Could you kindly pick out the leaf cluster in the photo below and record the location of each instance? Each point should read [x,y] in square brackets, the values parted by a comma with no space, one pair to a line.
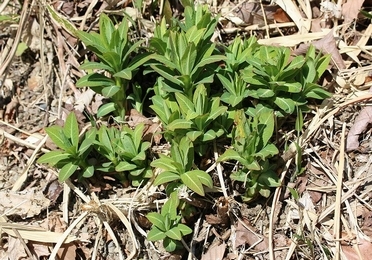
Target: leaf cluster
[178,169]
[167,226]
[252,149]
[122,151]
[118,62]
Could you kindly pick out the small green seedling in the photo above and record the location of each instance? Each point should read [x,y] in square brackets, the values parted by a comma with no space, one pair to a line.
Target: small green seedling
[118,62]
[167,226]
[73,154]
[252,149]
[126,153]
[178,168]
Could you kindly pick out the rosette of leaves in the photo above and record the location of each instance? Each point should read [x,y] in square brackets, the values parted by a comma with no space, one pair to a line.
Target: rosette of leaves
[281,83]
[194,118]
[252,149]
[178,169]
[73,154]
[235,89]
[167,225]
[118,62]
[186,58]
[126,153]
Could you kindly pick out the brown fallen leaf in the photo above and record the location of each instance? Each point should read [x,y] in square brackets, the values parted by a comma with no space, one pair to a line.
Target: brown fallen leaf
[360,125]
[26,204]
[11,109]
[350,10]
[215,252]
[327,45]
[359,249]
[281,17]
[246,234]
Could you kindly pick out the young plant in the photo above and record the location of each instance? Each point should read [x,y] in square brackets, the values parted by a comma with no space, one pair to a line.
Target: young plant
[118,62]
[167,226]
[73,154]
[186,59]
[178,168]
[193,118]
[126,153]
[252,149]
[281,84]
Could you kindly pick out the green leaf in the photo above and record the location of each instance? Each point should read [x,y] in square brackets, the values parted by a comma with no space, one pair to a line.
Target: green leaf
[53,157]
[156,219]
[94,80]
[188,59]
[186,105]
[229,154]
[216,113]
[254,166]
[171,205]
[125,74]
[193,135]
[21,48]
[91,134]
[88,172]
[185,230]
[58,137]
[167,74]
[209,135]
[90,65]
[322,65]
[106,109]
[71,129]
[174,233]
[164,162]
[110,91]
[299,121]
[266,126]
[204,178]
[191,180]
[85,145]
[113,59]
[269,179]
[125,166]
[166,177]
[286,104]
[106,27]
[66,171]
[179,124]
[269,151]
[208,60]
[93,41]
[169,244]
[104,138]
[265,93]
[155,234]
[295,64]
[137,135]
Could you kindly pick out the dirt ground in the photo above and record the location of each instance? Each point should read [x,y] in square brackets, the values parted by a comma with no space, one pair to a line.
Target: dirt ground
[324,213]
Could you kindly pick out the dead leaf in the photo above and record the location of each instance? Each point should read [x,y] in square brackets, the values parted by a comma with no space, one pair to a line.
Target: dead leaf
[246,234]
[11,109]
[25,204]
[281,17]
[67,251]
[136,118]
[215,252]
[39,249]
[15,249]
[327,45]
[351,249]
[350,10]
[360,125]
